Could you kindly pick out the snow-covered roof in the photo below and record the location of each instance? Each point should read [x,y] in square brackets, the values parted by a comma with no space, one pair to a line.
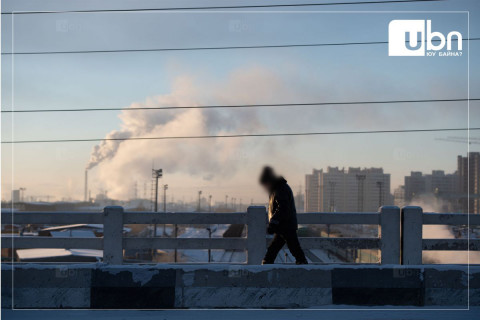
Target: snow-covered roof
[28,254]
[75,226]
[94,226]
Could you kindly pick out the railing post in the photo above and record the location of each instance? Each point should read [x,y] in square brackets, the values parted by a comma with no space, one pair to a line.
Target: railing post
[390,234]
[256,234]
[412,224]
[113,235]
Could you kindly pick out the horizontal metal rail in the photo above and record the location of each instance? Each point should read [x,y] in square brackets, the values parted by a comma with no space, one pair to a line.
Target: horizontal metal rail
[339,218]
[42,217]
[134,217]
[451,218]
[184,218]
[50,242]
[343,243]
[185,243]
[179,243]
[451,244]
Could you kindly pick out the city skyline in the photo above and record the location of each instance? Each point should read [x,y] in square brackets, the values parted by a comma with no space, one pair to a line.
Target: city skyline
[439,183]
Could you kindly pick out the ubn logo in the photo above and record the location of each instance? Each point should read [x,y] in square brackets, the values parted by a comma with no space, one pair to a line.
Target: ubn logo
[408,38]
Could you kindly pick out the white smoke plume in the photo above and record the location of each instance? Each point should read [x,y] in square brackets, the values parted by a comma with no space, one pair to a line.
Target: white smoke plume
[120,163]
[430,203]
[107,149]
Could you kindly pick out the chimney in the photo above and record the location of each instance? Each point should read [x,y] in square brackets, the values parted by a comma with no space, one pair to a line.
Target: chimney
[86,186]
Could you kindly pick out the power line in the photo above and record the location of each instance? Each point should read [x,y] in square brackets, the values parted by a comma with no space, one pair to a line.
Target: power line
[221,7]
[198,48]
[241,135]
[332,44]
[240,106]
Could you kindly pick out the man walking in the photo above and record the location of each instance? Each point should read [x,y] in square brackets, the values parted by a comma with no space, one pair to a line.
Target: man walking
[282,217]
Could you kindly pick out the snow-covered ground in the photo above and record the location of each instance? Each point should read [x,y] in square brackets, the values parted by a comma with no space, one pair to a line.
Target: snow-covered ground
[239,256]
[224,256]
[342,313]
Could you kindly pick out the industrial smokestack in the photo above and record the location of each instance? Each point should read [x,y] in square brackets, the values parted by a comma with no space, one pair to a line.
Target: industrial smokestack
[86,186]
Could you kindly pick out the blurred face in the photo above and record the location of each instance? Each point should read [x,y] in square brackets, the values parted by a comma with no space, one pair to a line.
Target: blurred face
[267,186]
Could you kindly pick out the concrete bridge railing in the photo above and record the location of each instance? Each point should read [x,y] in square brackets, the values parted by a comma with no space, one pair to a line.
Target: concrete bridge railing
[413,220]
[400,232]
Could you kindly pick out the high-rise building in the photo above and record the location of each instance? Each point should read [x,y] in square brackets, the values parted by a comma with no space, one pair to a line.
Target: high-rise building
[468,169]
[438,183]
[441,184]
[352,190]
[312,191]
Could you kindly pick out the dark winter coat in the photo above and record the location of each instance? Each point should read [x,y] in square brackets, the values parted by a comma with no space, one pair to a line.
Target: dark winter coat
[282,213]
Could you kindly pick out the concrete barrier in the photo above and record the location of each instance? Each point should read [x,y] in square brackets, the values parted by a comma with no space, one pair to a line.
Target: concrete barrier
[100,286]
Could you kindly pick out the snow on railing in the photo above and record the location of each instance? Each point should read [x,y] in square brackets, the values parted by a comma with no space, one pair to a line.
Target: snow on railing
[400,237]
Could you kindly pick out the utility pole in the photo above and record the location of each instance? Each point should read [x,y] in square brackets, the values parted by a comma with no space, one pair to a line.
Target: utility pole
[210,203]
[199,200]
[86,186]
[361,187]
[226,201]
[210,230]
[165,187]
[156,174]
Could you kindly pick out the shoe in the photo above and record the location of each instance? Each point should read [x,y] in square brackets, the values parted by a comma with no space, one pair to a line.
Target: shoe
[301,262]
[266,262]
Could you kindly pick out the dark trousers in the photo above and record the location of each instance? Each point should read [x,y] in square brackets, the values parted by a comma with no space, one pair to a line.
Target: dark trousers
[285,236]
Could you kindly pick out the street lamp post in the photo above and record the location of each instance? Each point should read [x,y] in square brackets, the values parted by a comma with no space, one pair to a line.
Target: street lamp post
[156,173]
[210,230]
[165,187]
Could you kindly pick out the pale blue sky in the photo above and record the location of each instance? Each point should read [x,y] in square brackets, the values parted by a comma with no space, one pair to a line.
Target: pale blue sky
[309,74]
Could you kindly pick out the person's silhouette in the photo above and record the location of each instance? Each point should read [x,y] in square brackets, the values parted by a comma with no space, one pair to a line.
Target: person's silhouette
[282,217]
